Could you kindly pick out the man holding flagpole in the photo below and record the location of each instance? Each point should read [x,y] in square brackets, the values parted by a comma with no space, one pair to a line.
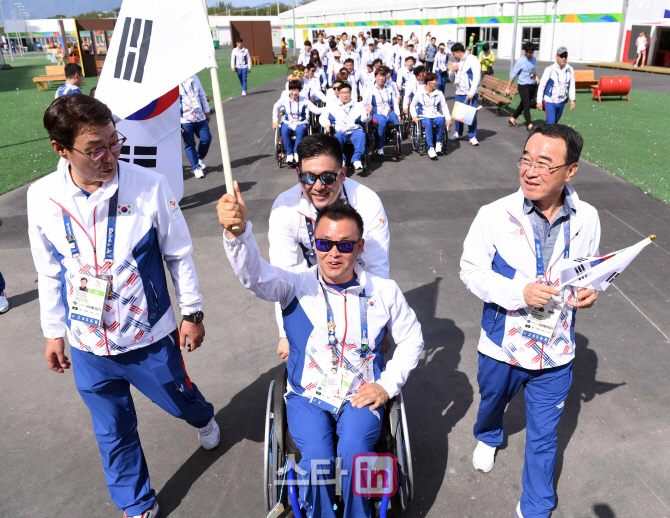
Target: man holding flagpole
[510,261]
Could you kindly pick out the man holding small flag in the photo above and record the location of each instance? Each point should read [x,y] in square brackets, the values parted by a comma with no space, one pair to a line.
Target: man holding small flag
[511,260]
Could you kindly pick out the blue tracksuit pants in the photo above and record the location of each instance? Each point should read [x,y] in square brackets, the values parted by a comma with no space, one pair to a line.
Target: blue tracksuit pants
[442,80]
[545,392]
[242,76]
[286,133]
[104,384]
[357,138]
[472,129]
[2,283]
[312,429]
[554,112]
[428,126]
[382,121]
[189,131]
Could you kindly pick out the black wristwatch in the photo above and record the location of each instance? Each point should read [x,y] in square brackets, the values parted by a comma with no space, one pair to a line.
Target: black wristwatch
[196,317]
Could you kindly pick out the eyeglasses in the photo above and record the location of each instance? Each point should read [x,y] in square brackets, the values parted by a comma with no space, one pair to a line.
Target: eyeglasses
[326,178]
[344,246]
[540,168]
[98,153]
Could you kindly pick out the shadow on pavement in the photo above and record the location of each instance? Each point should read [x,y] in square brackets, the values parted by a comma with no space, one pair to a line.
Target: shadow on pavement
[603,511]
[242,418]
[584,389]
[23,298]
[437,396]
[209,196]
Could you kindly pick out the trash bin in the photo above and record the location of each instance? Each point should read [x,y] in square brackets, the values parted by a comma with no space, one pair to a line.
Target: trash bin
[30,47]
[290,43]
[479,46]
[216,44]
[74,60]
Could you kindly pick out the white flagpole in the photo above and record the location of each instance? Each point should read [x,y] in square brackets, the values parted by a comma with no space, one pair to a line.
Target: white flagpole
[220,123]
[593,272]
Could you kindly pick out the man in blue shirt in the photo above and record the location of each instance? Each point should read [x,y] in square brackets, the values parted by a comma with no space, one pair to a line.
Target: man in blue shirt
[74,78]
[429,54]
[524,70]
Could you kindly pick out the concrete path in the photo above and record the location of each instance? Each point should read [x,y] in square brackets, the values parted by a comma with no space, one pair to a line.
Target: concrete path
[613,458]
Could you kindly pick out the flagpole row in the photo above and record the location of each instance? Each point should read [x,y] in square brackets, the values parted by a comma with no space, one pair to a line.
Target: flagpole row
[221,124]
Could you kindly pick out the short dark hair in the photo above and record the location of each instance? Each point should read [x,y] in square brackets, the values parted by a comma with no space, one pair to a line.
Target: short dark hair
[431,77]
[380,71]
[529,46]
[345,86]
[457,47]
[332,43]
[320,144]
[83,279]
[486,47]
[377,60]
[310,65]
[410,57]
[239,40]
[308,43]
[66,117]
[348,60]
[339,211]
[419,70]
[573,140]
[433,38]
[337,83]
[295,85]
[71,69]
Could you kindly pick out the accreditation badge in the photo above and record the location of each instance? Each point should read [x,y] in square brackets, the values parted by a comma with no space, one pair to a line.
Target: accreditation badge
[88,303]
[383,109]
[541,322]
[561,91]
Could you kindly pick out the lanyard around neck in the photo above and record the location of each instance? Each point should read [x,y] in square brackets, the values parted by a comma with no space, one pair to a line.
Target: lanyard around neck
[539,261]
[332,339]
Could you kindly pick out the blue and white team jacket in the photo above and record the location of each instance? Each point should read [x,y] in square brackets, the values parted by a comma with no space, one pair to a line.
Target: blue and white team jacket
[150,229]
[301,295]
[430,105]
[384,100]
[67,88]
[345,118]
[498,262]
[557,84]
[468,75]
[295,112]
[240,59]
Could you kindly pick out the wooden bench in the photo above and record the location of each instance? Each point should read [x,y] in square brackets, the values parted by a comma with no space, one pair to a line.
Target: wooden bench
[255,60]
[492,91]
[52,73]
[612,86]
[585,79]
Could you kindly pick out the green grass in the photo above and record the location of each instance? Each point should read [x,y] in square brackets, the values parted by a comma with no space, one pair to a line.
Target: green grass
[625,138]
[25,151]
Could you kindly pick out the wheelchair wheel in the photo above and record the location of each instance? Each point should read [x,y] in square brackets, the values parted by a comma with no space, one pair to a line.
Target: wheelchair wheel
[270,452]
[416,135]
[397,143]
[404,455]
[279,147]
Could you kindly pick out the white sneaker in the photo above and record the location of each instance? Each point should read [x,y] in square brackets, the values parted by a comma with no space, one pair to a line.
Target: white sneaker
[455,136]
[432,153]
[358,166]
[201,163]
[210,435]
[198,172]
[380,151]
[517,511]
[474,141]
[295,158]
[289,159]
[154,512]
[438,147]
[4,304]
[244,94]
[483,457]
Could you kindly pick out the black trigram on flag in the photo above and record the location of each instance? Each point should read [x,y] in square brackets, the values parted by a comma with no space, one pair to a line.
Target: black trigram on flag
[611,278]
[130,44]
[579,270]
[139,151]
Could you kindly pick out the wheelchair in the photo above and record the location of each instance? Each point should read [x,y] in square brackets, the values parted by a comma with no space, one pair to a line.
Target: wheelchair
[393,139]
[280,149]
[349,147]
[419,143]
[280,454]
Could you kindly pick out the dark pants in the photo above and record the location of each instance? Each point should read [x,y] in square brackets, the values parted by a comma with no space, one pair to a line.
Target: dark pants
[188,133]
[526,92]
[429,65]
[545,392]
[103,382]
[2,283]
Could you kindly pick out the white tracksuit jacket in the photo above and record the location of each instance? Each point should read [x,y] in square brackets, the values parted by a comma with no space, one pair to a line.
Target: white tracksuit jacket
[344,117]
[290,246]
[150,229]
[499,261]
[304,311]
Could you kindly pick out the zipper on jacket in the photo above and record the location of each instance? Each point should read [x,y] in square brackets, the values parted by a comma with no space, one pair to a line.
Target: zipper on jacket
[495,319]
[151,284]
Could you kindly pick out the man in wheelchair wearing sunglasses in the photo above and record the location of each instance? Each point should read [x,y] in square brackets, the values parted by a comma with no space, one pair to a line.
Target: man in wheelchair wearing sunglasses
[337,382]
[322,181]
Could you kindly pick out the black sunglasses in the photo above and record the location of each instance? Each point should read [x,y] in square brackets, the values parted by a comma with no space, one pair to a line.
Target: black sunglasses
[326,178]
[344,247]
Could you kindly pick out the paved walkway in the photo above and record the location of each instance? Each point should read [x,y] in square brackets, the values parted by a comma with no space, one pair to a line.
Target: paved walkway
[613,458]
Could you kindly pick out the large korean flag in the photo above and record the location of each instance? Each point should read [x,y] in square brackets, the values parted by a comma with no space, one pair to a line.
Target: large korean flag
[157,44]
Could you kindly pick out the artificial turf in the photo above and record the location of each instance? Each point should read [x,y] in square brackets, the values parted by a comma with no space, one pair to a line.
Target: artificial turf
[25,150]
[625,138]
